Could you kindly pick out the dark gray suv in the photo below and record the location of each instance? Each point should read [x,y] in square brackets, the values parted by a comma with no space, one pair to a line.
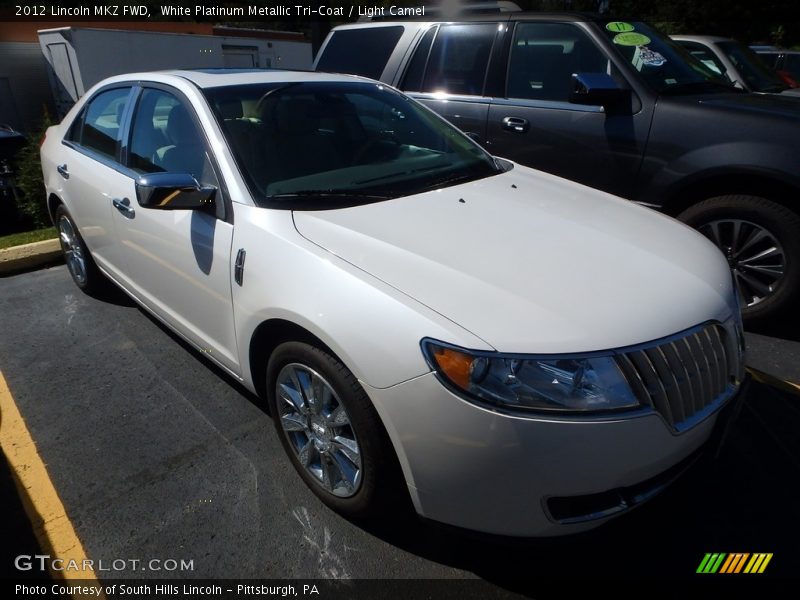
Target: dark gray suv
[617,106]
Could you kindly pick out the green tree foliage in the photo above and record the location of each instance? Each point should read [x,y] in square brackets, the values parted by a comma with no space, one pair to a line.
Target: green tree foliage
[31,203]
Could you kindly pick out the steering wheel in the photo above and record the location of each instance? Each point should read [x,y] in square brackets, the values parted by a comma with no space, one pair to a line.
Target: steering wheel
[387,145]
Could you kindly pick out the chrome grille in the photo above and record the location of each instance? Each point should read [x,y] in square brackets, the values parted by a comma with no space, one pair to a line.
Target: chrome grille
[687,377]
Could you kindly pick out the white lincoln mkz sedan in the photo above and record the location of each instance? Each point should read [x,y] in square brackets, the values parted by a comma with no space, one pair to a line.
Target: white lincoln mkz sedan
[519,354]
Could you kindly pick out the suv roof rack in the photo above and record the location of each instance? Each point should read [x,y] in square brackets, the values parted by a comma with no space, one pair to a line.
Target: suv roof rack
[453,9]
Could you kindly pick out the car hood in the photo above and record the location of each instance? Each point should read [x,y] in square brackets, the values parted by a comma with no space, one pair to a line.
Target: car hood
[530,262]
[774,105]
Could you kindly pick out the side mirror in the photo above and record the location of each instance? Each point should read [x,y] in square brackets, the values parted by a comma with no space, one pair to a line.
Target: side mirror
[598,89]
[173,191]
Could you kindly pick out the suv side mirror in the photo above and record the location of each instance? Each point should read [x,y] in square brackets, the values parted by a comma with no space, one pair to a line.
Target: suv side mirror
[598,89]
[173,191]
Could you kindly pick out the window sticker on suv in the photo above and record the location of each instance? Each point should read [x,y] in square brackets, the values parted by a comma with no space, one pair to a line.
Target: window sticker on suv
[631,39]
[645,57]
[619,26]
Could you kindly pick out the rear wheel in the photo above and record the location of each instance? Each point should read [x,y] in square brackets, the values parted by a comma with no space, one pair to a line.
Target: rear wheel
[761,240]
[79,261]
[330,430]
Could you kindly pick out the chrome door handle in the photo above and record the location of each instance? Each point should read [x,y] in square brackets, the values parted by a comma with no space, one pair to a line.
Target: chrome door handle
[516,124]
[62,169]
[124,206]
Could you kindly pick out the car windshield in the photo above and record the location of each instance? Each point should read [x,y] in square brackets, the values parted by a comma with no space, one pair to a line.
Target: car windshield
[325,144]
[755,73]
[662,63]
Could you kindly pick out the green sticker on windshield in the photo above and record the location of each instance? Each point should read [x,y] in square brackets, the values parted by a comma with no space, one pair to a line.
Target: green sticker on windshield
[619,26]
[631,39]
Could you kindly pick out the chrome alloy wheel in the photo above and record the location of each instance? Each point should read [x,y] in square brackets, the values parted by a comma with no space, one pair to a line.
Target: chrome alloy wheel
[73,249]
[318,429]
[755,256]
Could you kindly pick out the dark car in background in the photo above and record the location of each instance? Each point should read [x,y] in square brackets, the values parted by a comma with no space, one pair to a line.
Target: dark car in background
[11,141]
[617,106]
[786,62]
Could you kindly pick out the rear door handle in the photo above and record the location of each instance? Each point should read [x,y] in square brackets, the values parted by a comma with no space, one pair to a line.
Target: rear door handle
[62,169]
[516,124]
[124,206]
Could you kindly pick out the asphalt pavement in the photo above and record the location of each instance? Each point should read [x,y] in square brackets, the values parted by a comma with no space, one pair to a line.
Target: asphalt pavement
[155,453]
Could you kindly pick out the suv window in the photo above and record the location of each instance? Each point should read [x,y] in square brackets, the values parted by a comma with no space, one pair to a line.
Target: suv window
[360,51]
[458,59]
[663,64]
[99,129]
[164,137]
[416,68]
[544,56]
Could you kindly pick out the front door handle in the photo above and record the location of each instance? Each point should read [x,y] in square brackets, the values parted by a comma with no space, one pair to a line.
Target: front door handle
[124,206]
[516,124]
[62,169]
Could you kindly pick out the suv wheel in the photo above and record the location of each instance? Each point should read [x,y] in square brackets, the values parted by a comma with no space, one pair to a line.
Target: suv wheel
[761,240]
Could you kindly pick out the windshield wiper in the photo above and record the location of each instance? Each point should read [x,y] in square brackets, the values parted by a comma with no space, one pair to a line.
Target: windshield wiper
[692,87]
[399,173]
[327,194]
[464,177]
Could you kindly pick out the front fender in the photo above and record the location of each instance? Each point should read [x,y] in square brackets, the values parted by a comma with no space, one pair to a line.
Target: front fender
[373,328]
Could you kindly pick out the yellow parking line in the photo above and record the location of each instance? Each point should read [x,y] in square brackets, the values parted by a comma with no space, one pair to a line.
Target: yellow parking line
[761,377]
[50,522]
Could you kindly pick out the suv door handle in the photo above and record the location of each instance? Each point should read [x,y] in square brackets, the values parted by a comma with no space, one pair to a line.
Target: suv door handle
[124,206]
[516,124]
[62,169]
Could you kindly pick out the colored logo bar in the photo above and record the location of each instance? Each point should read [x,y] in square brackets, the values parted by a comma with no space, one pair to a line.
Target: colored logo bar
[735,562]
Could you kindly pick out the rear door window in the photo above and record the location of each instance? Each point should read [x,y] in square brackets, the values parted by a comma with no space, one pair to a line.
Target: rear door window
[458,59]
[360,51]
[100,125]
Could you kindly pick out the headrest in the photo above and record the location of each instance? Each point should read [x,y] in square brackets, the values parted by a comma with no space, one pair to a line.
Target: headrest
[231,109]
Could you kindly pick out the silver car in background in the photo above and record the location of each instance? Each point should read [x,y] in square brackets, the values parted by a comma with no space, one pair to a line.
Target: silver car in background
[737,62]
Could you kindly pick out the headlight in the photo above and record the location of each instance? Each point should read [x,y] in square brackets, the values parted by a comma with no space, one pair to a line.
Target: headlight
[529,382]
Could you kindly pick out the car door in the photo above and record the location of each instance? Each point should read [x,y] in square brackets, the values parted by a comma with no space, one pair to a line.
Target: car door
[92,175]
[535,124]
[448,73]
[178,261]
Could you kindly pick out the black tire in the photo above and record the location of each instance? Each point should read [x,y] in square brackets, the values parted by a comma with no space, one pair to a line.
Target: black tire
[379,480]
[775,219]
[88,278]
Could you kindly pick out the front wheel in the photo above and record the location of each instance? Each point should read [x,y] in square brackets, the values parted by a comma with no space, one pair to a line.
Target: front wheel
[330,430]
[761,240]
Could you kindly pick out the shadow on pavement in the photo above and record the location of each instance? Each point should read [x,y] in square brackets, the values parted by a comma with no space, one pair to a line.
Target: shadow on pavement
[787,328]
[16,533]
[743,500]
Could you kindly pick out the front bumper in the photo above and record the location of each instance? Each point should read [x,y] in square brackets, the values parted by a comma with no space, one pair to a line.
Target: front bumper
[473,468]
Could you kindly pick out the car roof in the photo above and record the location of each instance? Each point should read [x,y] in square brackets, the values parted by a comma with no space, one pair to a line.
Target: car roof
[702,38]
[210,78]
[489,17]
